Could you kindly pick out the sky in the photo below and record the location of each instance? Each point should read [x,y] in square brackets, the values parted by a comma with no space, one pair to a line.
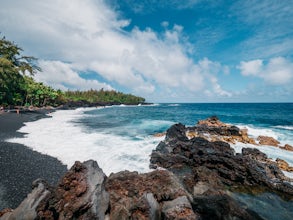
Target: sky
[164,50]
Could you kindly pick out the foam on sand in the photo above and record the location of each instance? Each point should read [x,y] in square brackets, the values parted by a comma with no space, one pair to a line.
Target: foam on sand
[62,137]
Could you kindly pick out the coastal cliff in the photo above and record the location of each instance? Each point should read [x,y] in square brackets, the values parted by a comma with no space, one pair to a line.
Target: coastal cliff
[197,176]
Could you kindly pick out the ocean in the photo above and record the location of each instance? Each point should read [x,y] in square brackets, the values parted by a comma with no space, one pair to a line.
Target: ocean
[122,137]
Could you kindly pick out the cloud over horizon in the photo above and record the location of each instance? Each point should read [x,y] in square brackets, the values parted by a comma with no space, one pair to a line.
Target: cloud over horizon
[278,71]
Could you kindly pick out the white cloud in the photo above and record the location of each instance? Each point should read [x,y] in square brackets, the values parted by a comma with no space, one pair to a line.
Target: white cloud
[253,67]
[210,70]
[61,76]
[90,36]
[278,70]
[165,24]
[217,88]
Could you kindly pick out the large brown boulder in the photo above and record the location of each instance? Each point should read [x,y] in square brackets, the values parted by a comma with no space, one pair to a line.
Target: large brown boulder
[213,129]
[283,165]
[79,195]
[265,140]
[287,147]
[212,122]
[147,196]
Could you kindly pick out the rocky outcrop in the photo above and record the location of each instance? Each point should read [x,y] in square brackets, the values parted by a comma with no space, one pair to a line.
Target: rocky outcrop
[265,140]
[206,169]
[287,147]
[216,160]
[148,196]
[213,129]
[283,165]
[85,193]
[79,195]
[212,122]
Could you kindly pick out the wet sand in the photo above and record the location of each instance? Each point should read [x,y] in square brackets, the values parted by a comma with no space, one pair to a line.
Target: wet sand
[19,165]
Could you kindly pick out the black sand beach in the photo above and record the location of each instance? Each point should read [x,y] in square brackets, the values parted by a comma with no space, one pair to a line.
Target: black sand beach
[20,165]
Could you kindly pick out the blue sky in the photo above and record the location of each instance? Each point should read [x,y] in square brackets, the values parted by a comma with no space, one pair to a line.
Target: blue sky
[165,51]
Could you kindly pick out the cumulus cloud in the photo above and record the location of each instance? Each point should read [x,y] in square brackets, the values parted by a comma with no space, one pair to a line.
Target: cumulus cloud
[61,76]
[210,69]
[253,67]
[278,70]
[87,35]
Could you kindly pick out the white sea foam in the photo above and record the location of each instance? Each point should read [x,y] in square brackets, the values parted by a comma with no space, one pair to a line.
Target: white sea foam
[283,136]
[255,132]
[60,137]
[288,174]
[284,127]
[147,124]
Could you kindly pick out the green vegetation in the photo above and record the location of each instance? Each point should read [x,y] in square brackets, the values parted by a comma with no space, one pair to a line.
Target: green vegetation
[38,94]
[101,96]
[13,68]
[18,88]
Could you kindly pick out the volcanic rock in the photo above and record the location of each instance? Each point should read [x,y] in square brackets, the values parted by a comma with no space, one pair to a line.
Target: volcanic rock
[206,169]
[179,208]
[79,195]
[27,209]
[264,140]
[160,134]
[212,122]
[213,129]
[254,154]
[283,165]
[140,196]
[287,147]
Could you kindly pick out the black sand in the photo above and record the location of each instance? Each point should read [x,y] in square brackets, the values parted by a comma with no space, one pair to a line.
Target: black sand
[19,165]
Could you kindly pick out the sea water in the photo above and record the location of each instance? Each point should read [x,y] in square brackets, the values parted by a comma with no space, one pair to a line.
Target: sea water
[122,137]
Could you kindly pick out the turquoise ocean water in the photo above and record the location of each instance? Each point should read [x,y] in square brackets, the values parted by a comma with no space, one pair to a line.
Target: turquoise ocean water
[122,137]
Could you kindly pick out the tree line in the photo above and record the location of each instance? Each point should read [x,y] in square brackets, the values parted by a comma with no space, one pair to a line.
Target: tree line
[18,88]
[103,96]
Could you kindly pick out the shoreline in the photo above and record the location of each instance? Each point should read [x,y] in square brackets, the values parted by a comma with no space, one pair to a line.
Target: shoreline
[17,121]
[19,164]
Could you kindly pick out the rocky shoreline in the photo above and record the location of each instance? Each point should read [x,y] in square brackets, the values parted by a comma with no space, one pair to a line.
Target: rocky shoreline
[197,176]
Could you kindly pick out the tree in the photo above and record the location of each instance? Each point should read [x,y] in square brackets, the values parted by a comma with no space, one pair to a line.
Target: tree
[13,67]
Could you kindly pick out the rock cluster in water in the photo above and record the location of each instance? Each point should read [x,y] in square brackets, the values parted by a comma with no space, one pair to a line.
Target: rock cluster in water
[197,174]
